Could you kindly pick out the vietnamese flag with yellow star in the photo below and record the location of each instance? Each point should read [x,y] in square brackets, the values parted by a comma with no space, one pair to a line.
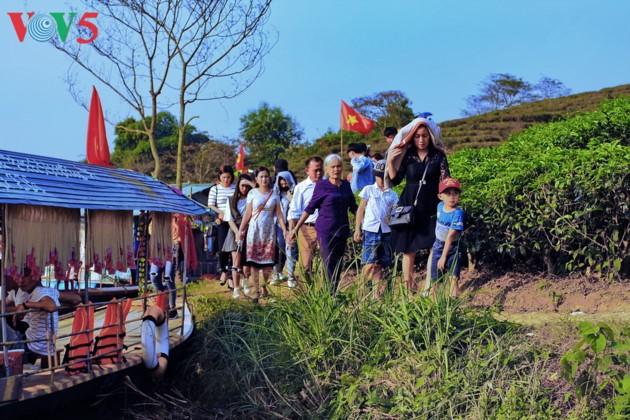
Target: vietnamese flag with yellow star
[351,120]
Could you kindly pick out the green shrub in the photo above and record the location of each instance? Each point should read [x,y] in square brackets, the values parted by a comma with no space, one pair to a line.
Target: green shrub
[600,364]
[557,194]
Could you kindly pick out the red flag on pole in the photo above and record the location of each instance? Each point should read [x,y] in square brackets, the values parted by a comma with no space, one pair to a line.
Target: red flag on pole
[240,159]
[97,147]
[351,120]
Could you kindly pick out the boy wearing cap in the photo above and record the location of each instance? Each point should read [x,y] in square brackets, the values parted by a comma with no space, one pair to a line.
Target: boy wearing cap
[376,205]
[446,259]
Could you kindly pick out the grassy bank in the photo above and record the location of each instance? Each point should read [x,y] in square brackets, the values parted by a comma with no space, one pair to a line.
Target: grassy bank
[313,355]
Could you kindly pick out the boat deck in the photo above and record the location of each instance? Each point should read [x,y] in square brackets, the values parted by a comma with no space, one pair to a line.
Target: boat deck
[36,382]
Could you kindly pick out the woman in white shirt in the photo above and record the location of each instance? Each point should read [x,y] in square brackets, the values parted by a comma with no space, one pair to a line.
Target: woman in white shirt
[217,197]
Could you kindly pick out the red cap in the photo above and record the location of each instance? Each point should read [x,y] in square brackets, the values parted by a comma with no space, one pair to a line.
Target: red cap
[447,183]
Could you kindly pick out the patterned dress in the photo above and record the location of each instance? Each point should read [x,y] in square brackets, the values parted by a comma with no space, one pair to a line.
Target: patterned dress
[261,234]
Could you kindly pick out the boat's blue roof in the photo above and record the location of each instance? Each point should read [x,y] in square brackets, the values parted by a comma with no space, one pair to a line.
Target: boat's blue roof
[192,189]
[43,181]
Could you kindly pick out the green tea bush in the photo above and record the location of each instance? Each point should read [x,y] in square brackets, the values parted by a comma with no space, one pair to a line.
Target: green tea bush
[556,194]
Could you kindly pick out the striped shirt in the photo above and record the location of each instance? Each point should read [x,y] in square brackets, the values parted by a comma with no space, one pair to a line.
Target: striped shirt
[219,195]
[37,321]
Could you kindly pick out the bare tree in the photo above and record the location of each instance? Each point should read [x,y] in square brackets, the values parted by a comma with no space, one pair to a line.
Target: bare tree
[206,159]
[500,91]
[548,88]
[158,54]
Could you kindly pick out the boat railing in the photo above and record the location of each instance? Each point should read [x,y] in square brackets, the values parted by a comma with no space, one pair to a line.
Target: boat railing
[95,280]
[51,338]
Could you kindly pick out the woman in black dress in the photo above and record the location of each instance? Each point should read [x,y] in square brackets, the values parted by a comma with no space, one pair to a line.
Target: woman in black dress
[407,159]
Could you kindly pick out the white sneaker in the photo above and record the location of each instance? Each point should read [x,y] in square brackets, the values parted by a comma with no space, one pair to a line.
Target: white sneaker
[274,280]
[246,290]
[236,294]
[292,283]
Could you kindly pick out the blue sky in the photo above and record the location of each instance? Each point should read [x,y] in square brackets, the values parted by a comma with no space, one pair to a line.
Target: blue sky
[435,52]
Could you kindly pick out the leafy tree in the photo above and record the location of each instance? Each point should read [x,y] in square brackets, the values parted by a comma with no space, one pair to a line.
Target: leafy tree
[388,108]
[548,88]
[128,137]
[155,54]
[132,148]
[268,133]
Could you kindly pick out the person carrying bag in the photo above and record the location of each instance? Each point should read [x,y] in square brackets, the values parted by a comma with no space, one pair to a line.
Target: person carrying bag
[403,216]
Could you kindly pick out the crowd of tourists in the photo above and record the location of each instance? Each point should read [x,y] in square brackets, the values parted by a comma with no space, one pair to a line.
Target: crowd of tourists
[270,227]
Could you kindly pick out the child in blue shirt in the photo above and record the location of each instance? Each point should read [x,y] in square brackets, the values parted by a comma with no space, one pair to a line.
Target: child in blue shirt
[362,167]
[446,260]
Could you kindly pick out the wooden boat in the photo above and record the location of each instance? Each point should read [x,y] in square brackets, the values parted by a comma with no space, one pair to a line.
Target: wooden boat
[37,390]
[33,192]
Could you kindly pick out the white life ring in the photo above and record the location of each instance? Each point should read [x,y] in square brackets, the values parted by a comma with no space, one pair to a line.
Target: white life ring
[155,341]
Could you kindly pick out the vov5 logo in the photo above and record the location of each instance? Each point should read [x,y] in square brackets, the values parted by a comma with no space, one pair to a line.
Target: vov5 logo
[43,26]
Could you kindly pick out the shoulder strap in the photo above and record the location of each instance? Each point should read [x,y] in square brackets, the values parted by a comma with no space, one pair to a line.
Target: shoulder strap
[415,201]
[262,207]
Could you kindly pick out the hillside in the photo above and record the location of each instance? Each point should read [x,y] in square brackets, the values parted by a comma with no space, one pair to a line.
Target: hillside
[492,128]
[474,132]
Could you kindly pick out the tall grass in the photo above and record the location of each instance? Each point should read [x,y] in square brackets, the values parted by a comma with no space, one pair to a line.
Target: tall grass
[345,355]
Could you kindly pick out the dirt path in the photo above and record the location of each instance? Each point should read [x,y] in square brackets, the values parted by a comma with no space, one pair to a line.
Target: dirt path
[523,298]
[535,299]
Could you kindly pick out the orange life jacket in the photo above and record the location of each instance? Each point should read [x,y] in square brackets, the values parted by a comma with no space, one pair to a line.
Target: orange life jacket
[77,351]
[108,346]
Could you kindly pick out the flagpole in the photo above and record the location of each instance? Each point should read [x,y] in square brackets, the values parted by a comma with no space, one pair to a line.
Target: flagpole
[341,150]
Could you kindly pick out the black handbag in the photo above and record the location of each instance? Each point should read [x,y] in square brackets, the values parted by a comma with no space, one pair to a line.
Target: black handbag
[402,216]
